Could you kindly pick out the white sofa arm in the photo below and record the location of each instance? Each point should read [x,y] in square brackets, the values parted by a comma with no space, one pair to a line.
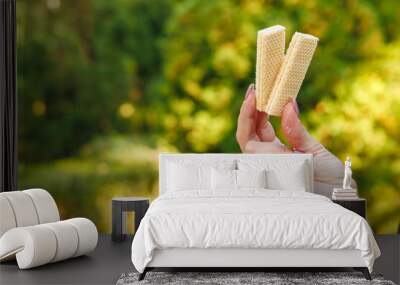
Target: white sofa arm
[33,246]
[40,244]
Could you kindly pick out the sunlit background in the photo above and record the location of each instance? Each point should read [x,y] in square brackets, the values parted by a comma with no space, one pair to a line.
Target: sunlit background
[104,86]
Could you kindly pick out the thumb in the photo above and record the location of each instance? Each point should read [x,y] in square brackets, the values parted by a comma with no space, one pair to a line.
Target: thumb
[294,131]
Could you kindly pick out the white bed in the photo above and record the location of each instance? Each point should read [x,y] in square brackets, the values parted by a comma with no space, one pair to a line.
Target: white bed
[248,227]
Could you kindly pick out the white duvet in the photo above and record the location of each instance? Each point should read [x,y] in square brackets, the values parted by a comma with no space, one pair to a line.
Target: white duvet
[250,219]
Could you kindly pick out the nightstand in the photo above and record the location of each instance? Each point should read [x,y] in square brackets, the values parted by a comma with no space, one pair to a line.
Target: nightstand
[121,205]
[357,205]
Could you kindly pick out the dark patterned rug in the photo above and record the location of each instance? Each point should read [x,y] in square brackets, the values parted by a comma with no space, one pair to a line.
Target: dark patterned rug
[225,278]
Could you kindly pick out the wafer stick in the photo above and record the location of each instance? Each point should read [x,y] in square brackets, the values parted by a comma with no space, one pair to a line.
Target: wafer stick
[270,55]
[291,75]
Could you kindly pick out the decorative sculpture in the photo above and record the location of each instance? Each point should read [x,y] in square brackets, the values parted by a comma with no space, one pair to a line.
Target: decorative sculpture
[347,174]
[346,192]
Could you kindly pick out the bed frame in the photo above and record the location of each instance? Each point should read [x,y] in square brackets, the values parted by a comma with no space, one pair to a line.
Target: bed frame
[246,258]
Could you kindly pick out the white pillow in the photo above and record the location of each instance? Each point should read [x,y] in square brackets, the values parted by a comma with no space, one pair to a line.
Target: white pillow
[188,177]
[188,174]
[227,179]
[281,174]
[223,179]
[293,180]
[251,178]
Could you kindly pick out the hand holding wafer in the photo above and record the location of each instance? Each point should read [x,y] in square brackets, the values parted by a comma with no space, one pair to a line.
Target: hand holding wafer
[278,81]
[255,134]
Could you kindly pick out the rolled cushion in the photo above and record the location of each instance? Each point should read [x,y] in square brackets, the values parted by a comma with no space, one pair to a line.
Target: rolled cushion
[45,205]
[33,246]
[7,218]
[66,238]
[87,234]
[23,208]
[26,208]
[41,244]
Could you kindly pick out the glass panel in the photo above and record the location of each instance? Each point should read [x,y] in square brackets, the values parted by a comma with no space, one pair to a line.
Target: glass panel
[104,86]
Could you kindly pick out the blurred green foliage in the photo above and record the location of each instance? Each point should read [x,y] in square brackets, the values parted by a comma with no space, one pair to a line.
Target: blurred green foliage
[104,86]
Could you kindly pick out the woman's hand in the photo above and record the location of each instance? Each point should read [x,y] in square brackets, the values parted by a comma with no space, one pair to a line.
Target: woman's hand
[255,134]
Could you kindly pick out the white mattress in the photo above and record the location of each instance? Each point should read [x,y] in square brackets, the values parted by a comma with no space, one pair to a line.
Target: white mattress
[251,219]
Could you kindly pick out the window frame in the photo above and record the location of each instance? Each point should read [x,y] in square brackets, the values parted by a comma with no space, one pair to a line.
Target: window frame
[8,97]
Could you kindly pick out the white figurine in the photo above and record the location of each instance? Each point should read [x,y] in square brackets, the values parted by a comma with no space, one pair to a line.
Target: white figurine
[346,192]
[347,174]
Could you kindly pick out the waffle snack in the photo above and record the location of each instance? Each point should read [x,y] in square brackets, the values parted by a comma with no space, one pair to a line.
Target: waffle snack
[270,56]
[288,79]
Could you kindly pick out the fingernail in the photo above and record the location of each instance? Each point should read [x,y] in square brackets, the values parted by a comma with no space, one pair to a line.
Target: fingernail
[248,91]
[296,107]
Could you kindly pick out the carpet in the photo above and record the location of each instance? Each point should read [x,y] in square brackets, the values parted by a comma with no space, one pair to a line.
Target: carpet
[231,278]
